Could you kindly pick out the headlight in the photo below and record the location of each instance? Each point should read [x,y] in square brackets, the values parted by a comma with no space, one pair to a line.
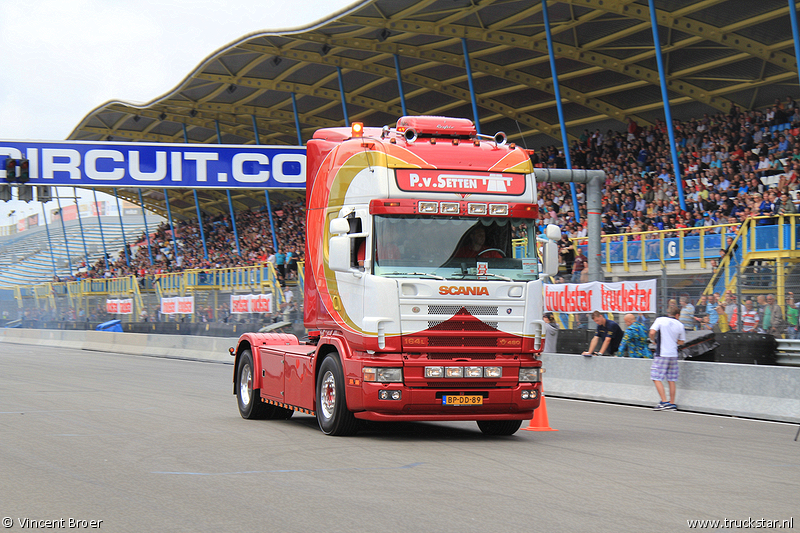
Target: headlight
[383,375]
[473,372]
[493,372]
[454,372]
[428,207]
[434,371]
[530,375]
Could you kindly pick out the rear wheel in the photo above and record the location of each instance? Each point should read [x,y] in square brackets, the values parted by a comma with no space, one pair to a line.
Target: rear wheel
[249,399]
[332,414]
[499,427]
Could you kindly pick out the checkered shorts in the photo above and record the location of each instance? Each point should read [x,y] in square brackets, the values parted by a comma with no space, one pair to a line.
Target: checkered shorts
[664,368]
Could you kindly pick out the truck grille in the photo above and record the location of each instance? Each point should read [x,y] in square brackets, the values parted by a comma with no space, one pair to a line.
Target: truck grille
[461,325]
[457,309]
[452,356]
[462,341]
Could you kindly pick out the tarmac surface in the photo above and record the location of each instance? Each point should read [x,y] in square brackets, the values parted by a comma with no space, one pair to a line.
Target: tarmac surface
[153,444]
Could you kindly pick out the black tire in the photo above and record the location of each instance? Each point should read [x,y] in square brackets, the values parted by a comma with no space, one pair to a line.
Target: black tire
[499,427]
[332,414]
[249,399]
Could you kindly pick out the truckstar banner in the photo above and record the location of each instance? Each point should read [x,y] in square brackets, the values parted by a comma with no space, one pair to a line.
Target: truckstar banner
[120,307]
[624,297]
[177,305]
[159,165]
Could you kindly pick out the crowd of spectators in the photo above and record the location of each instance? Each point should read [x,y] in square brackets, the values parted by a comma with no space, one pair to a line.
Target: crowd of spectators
[255,245]
[733,166]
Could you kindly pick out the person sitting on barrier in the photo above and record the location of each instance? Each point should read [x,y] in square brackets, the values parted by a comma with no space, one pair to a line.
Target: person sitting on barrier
[635,341]
[609,336]
[668,334]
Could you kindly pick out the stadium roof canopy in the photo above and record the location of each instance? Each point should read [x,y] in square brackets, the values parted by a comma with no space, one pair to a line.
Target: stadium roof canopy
[717,53]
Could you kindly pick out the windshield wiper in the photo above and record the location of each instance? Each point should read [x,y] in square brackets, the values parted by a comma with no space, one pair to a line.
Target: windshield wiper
[432,276]
[479,276]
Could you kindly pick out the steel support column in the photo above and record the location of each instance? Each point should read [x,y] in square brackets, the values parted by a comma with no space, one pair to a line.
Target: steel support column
[80,223]
[471,86]
[400,85]
[171,228]
[64,230]
[146,231]
[50,242]
[266,191]
[662,76]
[296,121]
[197,204]
[200,222]
[341,91]
[795,33]
[122,229]
[100,225]
[559,107]
[233,223]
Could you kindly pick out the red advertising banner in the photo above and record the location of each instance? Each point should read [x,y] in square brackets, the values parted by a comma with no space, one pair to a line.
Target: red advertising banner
[460,181]
[624,297]
[177,305]
[251,303]
[119,307]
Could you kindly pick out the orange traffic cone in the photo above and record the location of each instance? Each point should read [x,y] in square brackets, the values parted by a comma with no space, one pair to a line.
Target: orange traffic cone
[539,422]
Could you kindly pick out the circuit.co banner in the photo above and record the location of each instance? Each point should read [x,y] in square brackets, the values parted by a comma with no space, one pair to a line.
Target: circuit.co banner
[624,297]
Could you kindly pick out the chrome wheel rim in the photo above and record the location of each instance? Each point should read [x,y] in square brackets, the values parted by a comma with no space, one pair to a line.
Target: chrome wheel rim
[245,384]
[327,394]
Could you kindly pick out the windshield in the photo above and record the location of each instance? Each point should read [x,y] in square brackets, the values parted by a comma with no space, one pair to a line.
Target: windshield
[454,247]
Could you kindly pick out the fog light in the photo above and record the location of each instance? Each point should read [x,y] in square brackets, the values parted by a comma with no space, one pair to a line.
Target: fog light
[476,209]
[450,207]
[493,372]
[428,207]
[498,209]
[454,372]
[473,372]
[389,395]
[434,371]
[529,394]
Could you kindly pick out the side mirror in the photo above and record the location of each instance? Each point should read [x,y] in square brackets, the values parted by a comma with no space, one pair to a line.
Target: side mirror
[339,226]
[553,232]
[549,259]
[339,251]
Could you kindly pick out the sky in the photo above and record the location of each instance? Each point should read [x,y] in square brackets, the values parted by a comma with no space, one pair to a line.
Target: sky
[60,59]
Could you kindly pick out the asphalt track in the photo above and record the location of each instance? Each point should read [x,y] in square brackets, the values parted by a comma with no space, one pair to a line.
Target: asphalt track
[155,444]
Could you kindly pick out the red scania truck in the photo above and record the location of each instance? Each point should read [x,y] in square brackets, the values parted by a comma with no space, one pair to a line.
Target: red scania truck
[423,297]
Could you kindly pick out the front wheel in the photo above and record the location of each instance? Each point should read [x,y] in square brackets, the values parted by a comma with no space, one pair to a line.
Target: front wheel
[499,427]
[249,399]
[332,414]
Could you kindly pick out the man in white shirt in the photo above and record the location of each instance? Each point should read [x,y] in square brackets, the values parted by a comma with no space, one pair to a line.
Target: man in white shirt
[668,333]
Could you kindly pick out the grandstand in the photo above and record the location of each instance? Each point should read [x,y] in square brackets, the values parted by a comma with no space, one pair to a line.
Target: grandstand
[25,258]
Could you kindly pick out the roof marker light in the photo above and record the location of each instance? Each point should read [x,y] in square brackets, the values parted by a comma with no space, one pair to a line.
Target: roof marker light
[357,129]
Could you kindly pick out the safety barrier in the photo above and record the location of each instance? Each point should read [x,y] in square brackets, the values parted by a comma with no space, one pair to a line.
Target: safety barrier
[755,391]
[788,352]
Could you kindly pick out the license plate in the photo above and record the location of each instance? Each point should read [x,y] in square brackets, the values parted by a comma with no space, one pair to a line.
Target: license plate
[462,400]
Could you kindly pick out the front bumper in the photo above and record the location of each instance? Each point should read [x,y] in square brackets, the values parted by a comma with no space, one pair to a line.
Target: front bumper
[425,404]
